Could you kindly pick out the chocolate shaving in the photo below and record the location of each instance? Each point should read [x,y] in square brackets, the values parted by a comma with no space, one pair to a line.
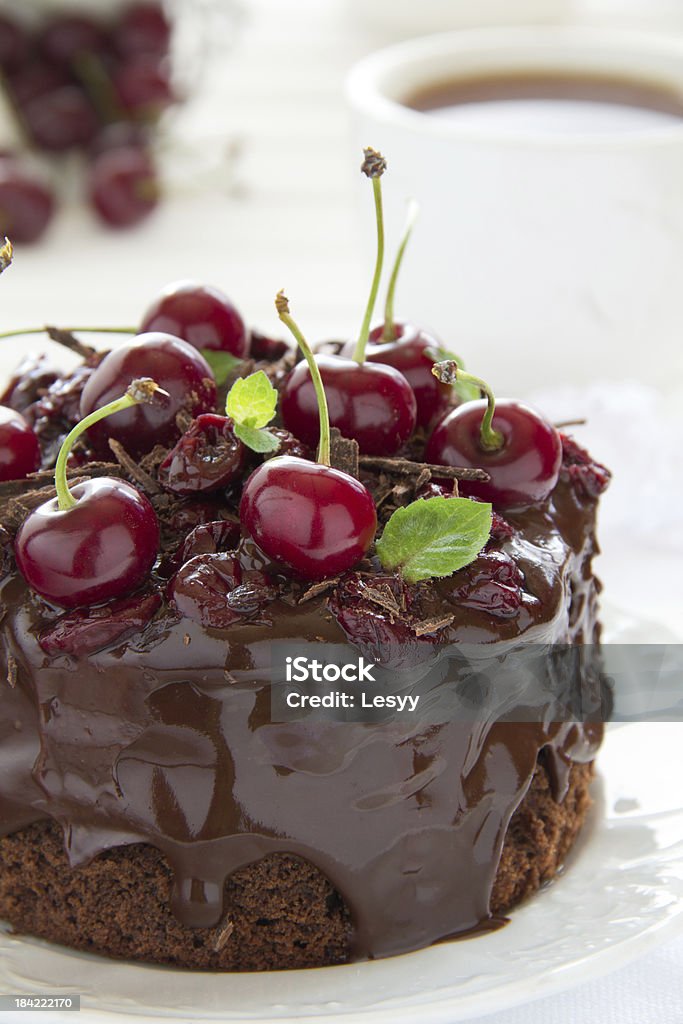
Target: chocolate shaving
[11,670]
[343,453]
[424,477]
[404,467]
[19,501]
[152,460]
[132,468]
[383,596]
[70,341]
[430,625]
[318,588]
[222,936]
[45,477]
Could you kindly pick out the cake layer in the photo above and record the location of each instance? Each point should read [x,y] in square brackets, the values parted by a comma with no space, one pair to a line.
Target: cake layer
[280,912]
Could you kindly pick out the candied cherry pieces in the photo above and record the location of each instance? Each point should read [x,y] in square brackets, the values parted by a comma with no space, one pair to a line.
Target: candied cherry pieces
[516,446]
[207,457]
[95,542]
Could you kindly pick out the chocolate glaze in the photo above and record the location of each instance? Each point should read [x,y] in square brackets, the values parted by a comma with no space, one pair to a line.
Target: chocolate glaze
[166,738]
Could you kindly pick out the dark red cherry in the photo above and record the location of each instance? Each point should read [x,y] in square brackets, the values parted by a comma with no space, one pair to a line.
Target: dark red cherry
[61,119]
[263,347]
[408,354]
[87,630]
[14,43]
[523,471]
[19,448]
[373,404]
[201,315]
[37,78]
[123,185]
[143,87]
[207,457]
[103,547]
[314,519]
[175,366]
[27,204]
[143,28]
[65,37]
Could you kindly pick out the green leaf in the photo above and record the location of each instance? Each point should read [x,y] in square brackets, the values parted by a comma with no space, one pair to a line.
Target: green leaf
[258,440]
[222,363]
[434,537]
[252,400]
[466,392]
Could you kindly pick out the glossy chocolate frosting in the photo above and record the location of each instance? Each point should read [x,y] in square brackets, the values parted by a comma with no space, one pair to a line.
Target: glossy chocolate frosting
[166,737]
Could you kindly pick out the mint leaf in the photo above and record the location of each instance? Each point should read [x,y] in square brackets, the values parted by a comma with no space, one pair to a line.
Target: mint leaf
[258,440]
[222,363]
[252,400]
[434,537]
[466,392]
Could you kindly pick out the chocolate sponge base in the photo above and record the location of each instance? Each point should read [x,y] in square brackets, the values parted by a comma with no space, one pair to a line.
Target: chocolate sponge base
[281,912]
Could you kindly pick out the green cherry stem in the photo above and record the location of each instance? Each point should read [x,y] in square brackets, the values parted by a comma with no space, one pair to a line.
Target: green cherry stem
[448,372]
[389,332]
[139,391]
[24,331]
[374,165]
[282,307]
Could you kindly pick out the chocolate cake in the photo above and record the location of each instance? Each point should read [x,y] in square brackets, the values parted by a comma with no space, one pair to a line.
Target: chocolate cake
[151,807]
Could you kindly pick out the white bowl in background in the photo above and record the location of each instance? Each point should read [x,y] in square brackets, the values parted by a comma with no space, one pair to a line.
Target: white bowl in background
[537,255]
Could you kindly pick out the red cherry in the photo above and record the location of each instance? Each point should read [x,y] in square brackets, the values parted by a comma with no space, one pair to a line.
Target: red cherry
[175,366]
[124,187]
[523,471]
[143,87]
[65,37]
[60,119]
[143,28]
[35,79]
[103,547]
[200,315]
[408,354]
[19,448]
[208,457]
[27,204]
[314,519]
[371,403]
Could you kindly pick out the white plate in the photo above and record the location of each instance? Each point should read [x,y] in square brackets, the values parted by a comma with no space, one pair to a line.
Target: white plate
[622,893]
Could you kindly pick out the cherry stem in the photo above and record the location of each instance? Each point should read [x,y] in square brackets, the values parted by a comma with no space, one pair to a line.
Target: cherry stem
[374,165]
[448,372]
[143,390]
[282,307]
[389,332]
[23,331]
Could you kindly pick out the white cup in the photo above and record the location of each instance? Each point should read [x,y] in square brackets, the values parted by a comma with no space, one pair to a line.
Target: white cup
[538,256]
